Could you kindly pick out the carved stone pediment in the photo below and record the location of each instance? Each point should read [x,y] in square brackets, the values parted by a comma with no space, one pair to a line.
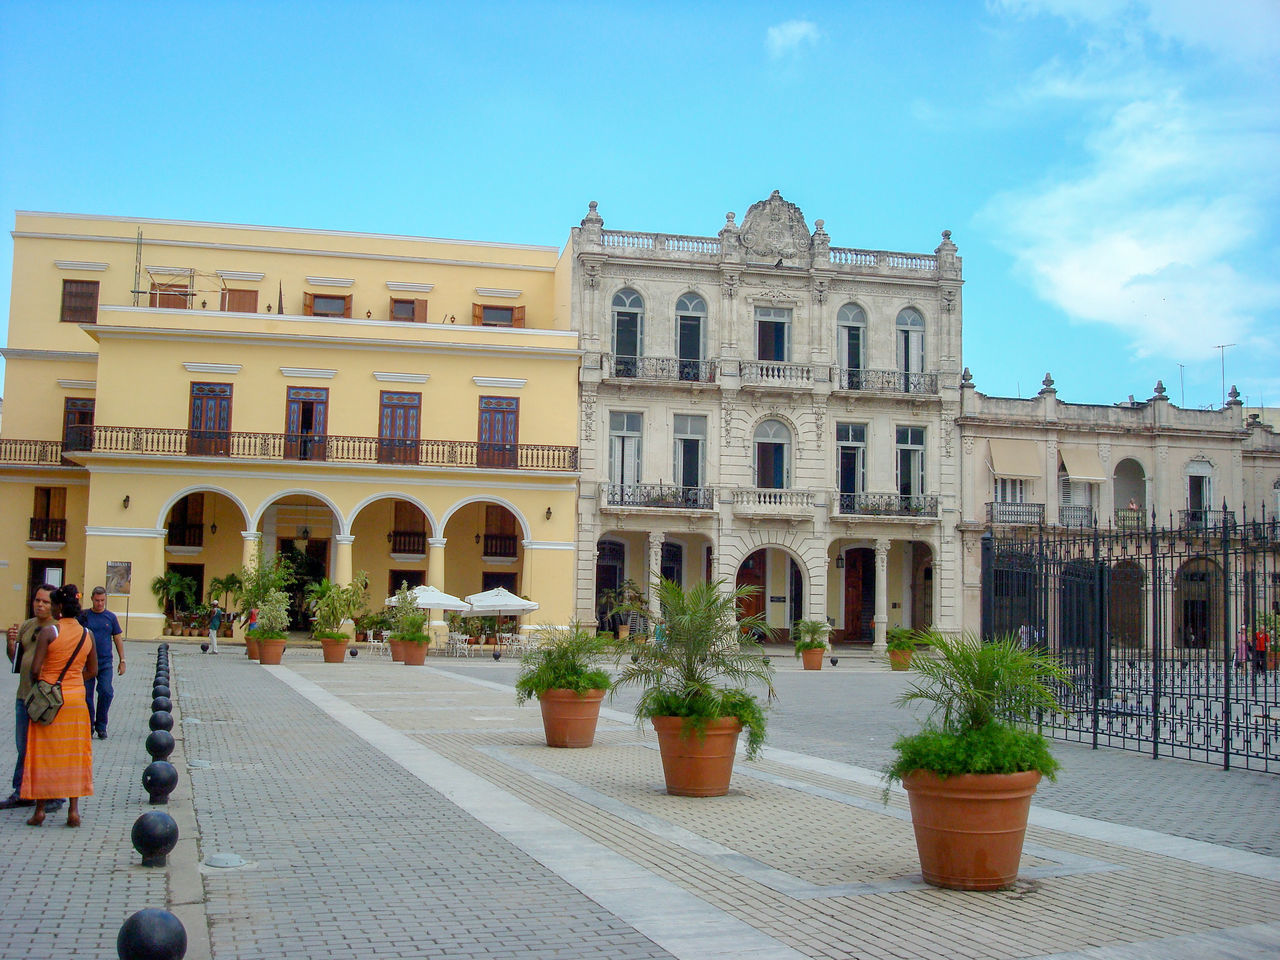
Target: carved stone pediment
[774,229]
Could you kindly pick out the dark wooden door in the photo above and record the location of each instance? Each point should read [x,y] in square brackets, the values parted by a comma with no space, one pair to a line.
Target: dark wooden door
[499,433]
[398,427]
[209,430]
[306,409]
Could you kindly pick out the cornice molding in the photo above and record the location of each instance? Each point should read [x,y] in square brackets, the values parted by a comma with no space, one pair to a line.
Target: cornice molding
[498,292]
[79,265]
[171,271]
[330,282]
[193,367]
[410,287]
[78,384]
[125,532]
[391,377]
[509,383]
[313,372]
[240,275]
[25,353]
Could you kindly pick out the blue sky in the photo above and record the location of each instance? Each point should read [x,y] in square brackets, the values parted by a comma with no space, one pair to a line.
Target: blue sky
[1108,167]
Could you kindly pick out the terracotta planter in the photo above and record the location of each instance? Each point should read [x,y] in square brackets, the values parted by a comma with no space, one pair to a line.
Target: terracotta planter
[270,651]
[694,766]
[1273,659]
[568,718]
[415,654]
[251,648]
[335,651]
[812,659]
[900,659]
[397,650]
[969,828]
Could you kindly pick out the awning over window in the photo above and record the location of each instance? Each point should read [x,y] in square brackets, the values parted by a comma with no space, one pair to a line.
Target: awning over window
[1018,459]
[1082,464]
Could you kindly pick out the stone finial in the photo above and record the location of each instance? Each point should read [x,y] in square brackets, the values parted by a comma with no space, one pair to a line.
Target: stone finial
[1233,397]
[966,378]
[821,242]
[1159,388]
[948,262]
[1047,381]
[592,224]
[730,244]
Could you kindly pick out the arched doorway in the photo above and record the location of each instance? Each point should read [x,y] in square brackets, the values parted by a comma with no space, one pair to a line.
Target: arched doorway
[1125,606]
[859,596]
[779,590]
[1197,605]
[921,586]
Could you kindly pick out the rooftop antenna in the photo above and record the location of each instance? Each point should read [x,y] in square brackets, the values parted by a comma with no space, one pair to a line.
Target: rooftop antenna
[1222,352]
[137,270]
[1182,382]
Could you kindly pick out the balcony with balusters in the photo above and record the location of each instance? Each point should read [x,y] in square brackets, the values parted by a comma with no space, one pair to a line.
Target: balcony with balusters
[660,370]
[773,375]
[884,381]
[664,497]
[774,504]
[851,506]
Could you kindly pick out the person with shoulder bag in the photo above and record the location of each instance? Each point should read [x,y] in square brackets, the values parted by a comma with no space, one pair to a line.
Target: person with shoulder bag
[59,761]
[21,648]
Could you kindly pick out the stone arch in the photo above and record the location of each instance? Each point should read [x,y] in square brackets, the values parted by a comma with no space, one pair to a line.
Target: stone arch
[278,495]
[432,526]
[203,488]
[486,498]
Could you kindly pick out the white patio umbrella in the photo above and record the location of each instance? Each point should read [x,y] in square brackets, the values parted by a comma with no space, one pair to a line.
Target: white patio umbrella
[499,602]
[430,598]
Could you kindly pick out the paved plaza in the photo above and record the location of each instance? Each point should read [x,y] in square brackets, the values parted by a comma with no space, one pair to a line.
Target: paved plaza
[388,811]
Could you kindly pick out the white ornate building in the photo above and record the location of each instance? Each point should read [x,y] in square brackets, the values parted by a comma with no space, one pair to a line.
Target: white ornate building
[764,408]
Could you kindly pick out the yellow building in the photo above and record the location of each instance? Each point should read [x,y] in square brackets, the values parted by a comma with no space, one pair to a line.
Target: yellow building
[178,393]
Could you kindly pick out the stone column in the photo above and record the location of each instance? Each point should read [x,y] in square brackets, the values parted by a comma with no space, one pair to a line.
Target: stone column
[342,558]
[655,565]
[880,621]
[249,551]
[435,562]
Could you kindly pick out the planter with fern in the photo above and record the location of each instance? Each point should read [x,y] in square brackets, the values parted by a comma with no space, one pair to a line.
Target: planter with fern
[901,646]
[563,673]
[971,771]
[694,684]
[811,645]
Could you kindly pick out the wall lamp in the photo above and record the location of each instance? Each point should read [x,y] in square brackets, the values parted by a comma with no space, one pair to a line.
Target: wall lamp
[548,513]
[840,562]
[125,502]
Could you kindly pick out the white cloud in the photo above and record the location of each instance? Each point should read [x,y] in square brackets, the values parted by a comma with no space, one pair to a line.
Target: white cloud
[787,39]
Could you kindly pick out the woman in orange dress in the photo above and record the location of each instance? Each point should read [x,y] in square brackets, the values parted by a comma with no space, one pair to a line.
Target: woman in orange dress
[59,759]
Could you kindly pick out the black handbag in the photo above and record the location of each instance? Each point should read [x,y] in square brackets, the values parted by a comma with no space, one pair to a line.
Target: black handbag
[44,699]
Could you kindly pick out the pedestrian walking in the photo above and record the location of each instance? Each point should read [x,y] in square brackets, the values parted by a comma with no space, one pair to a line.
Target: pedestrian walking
[215,624]
[108,638]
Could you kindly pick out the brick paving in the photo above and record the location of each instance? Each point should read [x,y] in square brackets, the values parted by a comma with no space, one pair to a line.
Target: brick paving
[388,811]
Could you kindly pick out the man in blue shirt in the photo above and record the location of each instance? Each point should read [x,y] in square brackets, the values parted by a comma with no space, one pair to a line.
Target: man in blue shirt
[104,626]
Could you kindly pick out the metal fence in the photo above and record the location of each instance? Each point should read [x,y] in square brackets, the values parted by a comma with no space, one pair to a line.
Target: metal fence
[1159,629]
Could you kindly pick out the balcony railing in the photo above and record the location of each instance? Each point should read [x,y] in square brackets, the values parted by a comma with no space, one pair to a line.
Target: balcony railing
[782,499]
[165,442]
[1205,519]
[887,505]
[885,381]
[408,541]
[500,545]
[46,452]
[1071,515]
[1029,514]
[772,373]
[665,369]
[185,535]
[669,496]
[48,530]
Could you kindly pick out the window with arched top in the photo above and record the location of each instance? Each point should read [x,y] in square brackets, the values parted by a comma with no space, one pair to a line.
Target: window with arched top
[628,332]
[910,341]
[773,455]
[691,322]
[851,337]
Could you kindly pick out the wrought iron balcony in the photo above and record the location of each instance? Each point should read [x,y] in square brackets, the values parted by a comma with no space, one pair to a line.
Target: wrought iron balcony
[1129,519]
[165,442]
[773,373]
[661,369]
[887,505]
[885,381]
[408,541]
[502,545]
[42,452]
[1028,514]
[185,535]
[1071,515]
[1205,519]
[48,530]
[662,495]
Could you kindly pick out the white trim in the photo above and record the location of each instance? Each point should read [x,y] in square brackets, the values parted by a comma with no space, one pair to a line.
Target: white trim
[510,383]
[240,275]
[386,377]
[193,367]
[172,271]
[79,265]
[48,546]
[408,557]
[498,292]
[178,551]
[78,384]
[330,282]
[24,353]
[411,287]
[563,481]
[546,545]
[125,532]
[314,372]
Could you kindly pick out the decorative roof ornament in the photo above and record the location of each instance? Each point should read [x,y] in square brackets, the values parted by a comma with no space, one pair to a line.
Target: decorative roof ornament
[774,229]
[1159,388]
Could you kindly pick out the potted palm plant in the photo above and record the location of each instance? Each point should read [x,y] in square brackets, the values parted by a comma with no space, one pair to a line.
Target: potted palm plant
[901,645]
[970,771]
[273,625]
[694,684]
[259,582]
[175,591]
[333,604]
[563,673]
[811,643]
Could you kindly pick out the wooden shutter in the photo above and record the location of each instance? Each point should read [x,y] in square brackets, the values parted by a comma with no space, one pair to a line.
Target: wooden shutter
[308,304]
[517,316]
[419,311]
[57,503]
[346,305]
[477,313]
[240,301]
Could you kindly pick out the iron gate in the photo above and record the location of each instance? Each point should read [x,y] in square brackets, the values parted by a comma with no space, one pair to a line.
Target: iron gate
[1158,628]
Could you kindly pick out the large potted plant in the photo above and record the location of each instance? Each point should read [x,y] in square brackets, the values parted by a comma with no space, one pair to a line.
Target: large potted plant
[563,673]
[258,582]
[174,591]
[901,646]
[331,605]
[273,625]
[694,681]
[970,771]
[810,637]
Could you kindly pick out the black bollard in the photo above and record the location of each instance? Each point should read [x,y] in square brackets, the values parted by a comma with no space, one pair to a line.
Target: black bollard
[152,934]
[159,780]
[162,720]
[354,651]
[160,690]
[160,744]
[834,661]
[154,834]
[497,654]
[204,648]
[162,703]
